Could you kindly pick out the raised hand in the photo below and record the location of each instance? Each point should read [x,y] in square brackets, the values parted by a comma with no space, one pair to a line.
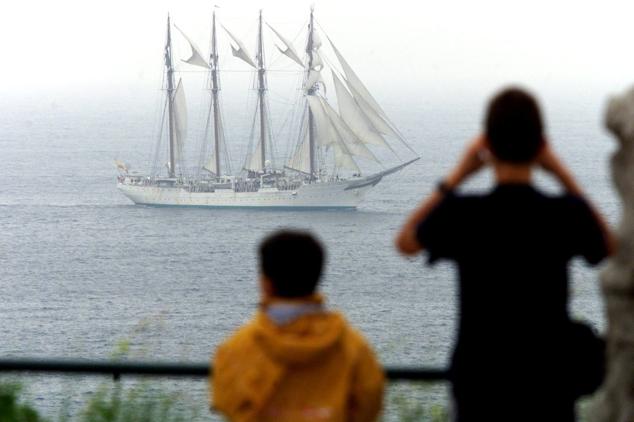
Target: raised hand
[549,162]
[474,158]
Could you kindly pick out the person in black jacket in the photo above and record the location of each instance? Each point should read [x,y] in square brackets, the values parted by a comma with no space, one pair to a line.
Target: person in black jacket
[512,247]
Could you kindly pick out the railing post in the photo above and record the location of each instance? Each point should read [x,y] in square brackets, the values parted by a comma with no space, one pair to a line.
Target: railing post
[615,401]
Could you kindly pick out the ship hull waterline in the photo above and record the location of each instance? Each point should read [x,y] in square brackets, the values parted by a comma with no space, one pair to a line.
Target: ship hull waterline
[310,196]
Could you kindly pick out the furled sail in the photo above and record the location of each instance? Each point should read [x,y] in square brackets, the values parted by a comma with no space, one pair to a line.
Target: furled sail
[354,116]
[318,63]
[179,107]
[314,76]
[316,40]
[240,52]
[196,57]
[289,51]
[315,65]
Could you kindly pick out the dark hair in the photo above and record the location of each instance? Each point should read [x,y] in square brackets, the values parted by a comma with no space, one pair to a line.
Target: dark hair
[514,126]
[292,261]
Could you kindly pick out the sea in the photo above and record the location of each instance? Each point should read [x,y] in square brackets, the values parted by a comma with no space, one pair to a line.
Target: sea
[85,273]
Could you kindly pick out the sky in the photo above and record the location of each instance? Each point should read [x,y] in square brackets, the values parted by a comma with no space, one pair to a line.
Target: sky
[401,49]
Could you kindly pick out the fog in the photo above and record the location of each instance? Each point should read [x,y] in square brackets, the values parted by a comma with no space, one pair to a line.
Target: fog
[409,50]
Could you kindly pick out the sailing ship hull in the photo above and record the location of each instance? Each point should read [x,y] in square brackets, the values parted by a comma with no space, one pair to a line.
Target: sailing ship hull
[310,196]
[325,134]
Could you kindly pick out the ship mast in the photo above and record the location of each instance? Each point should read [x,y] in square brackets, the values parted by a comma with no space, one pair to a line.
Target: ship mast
[261,92]
[311,91]
[214,93]
[170,107]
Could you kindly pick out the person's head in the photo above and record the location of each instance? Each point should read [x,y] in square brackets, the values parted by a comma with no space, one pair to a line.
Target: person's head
[291,263]
[514,127]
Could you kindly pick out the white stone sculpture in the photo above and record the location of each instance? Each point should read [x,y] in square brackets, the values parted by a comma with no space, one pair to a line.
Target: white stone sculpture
[615,401]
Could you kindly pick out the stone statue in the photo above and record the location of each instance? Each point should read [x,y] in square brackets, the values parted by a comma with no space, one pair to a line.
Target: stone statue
[615,400]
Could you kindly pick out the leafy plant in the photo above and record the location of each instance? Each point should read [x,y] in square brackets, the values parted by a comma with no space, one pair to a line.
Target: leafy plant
[11,407]
[138,403]
[407,404]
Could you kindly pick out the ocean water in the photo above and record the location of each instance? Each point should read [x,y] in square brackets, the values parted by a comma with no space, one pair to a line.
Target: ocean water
[83,270]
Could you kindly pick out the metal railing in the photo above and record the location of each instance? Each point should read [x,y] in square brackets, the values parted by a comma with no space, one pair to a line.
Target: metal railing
[118,368]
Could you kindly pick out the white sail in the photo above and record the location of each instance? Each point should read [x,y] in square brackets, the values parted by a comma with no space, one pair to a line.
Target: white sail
[240,52]
[289,51]
[337,139]
[331,131]
[122,166]
[196,57]
[254,163]
[300,160]
[356,85]
[343,159]
[211,166]
[366,101]
[354,116]
[179,106]
[354,145]
[379,123]
[324,131]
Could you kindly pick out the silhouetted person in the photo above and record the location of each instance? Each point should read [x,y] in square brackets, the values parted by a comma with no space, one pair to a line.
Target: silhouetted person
[512,247]
[296,360]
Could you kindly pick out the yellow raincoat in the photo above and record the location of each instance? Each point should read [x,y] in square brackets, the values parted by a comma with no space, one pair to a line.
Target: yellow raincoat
[315,368]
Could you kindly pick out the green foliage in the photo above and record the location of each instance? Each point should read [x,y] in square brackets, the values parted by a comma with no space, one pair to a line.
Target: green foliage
[123,401]
[12,409]
[410,410]
[144,402]
[136,402]
[410,403]
[139,403]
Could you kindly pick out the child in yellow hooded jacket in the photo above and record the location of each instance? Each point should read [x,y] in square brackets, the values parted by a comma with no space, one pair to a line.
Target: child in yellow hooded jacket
[295,361]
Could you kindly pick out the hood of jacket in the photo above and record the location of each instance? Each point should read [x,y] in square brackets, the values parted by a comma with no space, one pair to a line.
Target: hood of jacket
[301,340]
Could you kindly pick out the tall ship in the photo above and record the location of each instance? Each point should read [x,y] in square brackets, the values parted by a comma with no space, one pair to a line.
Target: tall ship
[329,148]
